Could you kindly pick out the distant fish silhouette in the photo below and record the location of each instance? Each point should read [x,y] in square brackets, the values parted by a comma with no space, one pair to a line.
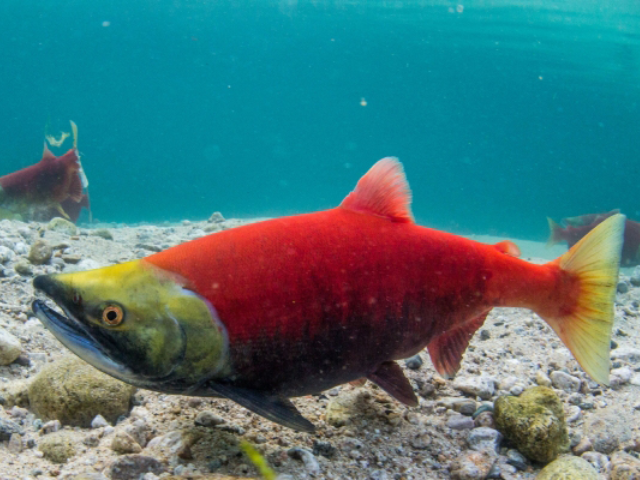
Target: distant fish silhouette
[52,187]
[572,229]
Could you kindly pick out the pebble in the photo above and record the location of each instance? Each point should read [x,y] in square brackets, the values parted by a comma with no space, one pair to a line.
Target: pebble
[103,233]
[7,428]
[40,252]
[484,439]
[207,418]
[620,376]
[573,414]
[324,448]
[598,460]
[485,419]
[63,226]
[6,255]
[15,443]
[584,445]
[626,354]
[216,217]
[139,431]
[472,465]
[132,467]
[564,381]
[10,348]
[124,443]
[57,447]
[309,460]
[20,248]
[623,287]
[51,427]
[516,459]
[482,386]
[607,429]
[460,422]
[413,363]
[624,467]
[99,422]
[24,268]
[568,468]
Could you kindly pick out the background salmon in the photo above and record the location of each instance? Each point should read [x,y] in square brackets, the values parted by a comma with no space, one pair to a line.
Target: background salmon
[574,228]
[52,187]
[296,305]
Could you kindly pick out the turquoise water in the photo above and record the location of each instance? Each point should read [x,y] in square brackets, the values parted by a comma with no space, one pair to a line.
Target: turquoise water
[502,112]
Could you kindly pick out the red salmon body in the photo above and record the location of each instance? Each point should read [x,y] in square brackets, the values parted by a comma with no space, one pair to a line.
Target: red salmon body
[315,300]
[300,304]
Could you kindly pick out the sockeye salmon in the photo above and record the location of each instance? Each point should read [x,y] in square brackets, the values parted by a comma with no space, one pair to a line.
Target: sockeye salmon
[574,228]
[296,305]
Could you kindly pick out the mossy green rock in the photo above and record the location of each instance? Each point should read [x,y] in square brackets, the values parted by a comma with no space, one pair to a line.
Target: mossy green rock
[57,447]
[74,392]
[534,422]
[568,468]
[62,225]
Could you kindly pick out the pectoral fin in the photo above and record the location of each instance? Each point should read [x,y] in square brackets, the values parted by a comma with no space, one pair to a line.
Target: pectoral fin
[277,409]
[391,379]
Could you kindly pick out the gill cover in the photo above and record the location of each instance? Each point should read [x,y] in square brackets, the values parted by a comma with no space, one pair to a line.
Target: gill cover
[137,323]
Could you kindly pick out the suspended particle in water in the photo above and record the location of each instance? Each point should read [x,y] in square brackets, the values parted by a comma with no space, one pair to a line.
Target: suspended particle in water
[106,23]
[363,102]
[460,8]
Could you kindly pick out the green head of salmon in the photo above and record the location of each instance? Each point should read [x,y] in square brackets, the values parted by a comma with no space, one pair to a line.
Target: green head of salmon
[137,323]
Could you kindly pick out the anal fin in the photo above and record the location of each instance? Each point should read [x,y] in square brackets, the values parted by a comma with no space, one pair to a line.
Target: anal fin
[277,409]
[446,349]
[391,379]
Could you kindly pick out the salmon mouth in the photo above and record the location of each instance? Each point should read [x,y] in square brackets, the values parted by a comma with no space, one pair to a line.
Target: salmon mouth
[77,337]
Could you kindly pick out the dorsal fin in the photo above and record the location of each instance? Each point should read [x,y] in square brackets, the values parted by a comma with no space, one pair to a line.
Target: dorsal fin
[46,154]
[382,191]
[508,248]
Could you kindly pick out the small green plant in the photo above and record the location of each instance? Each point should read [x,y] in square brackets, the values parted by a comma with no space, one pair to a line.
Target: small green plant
[258,460]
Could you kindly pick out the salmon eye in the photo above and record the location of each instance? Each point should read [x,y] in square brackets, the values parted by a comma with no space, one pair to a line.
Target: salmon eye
[112,315]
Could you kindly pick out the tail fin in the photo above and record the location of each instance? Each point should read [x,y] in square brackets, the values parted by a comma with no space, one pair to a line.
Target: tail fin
[586,329]
[555,235]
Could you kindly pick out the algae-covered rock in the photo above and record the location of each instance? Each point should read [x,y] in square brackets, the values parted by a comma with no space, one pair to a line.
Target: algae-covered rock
[57,447]
[74,392]
[568,468]
[62,225]
[342,408]
[15,393]
[534,422]
[40,252]
[103,233]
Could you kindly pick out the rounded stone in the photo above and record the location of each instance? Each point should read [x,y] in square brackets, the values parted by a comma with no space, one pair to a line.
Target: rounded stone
[10,348]
[62,225]
[57,447]
[607,429]
[568,468]
[74,392]
[472,465]
[624,467]
[534,422]
[40,252]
